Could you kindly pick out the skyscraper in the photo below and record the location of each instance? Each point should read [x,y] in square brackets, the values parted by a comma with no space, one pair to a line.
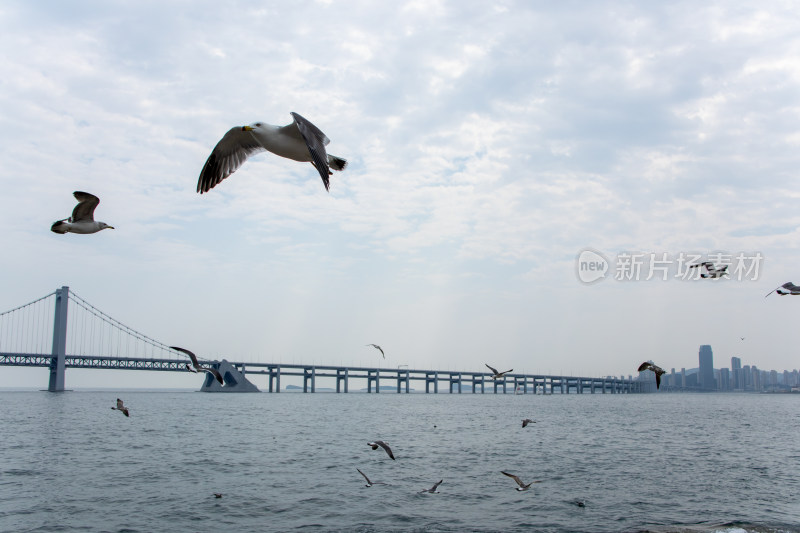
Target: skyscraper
[736,371]
[706,372]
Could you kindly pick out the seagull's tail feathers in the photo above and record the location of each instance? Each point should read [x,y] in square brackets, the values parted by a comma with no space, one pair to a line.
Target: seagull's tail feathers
[59,227]
[336,163]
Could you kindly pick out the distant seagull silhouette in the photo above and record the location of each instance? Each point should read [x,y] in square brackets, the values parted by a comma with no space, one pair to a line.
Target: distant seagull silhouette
[433,490]
[121,407]
[218,495]
[790,287]
[382,444]
[301,141]
[197,368]
[378,348]
[528,421]
[657,369]
[712,270]
[498,375]
[522,486]
[743,337]
[369,483]
[82,219]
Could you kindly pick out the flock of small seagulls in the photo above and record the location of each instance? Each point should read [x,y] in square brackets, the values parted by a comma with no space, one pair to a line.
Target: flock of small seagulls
[385,445]
[301,141]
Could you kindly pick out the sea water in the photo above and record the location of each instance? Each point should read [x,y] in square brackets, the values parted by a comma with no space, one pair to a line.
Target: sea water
[606,462]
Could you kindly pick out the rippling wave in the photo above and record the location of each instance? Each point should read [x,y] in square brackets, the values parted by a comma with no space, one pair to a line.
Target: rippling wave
[658,462]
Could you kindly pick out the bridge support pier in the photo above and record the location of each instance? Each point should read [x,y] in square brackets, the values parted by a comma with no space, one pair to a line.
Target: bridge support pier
[434,380]
[402,379]
[275,375]
[341,376]
[374,376]
[57,363]
[310,374]
[455,379]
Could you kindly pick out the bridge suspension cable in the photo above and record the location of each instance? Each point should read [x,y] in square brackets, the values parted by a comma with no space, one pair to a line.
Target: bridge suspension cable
[109,336]
[28,328]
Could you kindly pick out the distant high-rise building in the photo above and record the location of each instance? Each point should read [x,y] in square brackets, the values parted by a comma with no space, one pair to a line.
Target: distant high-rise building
[683,378]
[747,378]
[705,378]
[736,371]
[724,379]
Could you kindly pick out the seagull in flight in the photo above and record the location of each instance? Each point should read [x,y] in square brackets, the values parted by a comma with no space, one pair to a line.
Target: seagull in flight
[433,490]
[121,407]
[301,141]
[528,421]
[82,219]
[712,270]
[522,486]
[369,483]
[382,444]
[377,348]
[786,288]
[498,375]
[196,366]
[647,365]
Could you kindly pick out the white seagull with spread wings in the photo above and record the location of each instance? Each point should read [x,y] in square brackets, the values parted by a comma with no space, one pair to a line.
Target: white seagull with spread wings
[82,219]
[522,486]
[712,270]
[301,141]
[786,288]
[498,375]
[196,365]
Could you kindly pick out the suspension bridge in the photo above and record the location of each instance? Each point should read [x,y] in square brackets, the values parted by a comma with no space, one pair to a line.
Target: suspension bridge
[47,332]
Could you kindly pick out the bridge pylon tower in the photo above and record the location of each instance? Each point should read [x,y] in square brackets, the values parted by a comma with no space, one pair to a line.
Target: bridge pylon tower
[59,341]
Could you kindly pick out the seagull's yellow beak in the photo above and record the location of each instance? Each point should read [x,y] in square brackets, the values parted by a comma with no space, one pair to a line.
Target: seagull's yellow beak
[247,128]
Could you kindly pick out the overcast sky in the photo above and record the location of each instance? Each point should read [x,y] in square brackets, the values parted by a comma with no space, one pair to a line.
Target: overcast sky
[489,144]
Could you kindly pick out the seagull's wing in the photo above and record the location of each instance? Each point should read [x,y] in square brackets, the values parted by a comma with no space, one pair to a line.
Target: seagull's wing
[84,211]
[507,371]
[316,142]
[120,405]
[125,411]
[658,380]
[192,356]
[494,370]
[365,476]
[385,447]
[515,478]
[644,366]
[214,372]
[228,155]
[433,489]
